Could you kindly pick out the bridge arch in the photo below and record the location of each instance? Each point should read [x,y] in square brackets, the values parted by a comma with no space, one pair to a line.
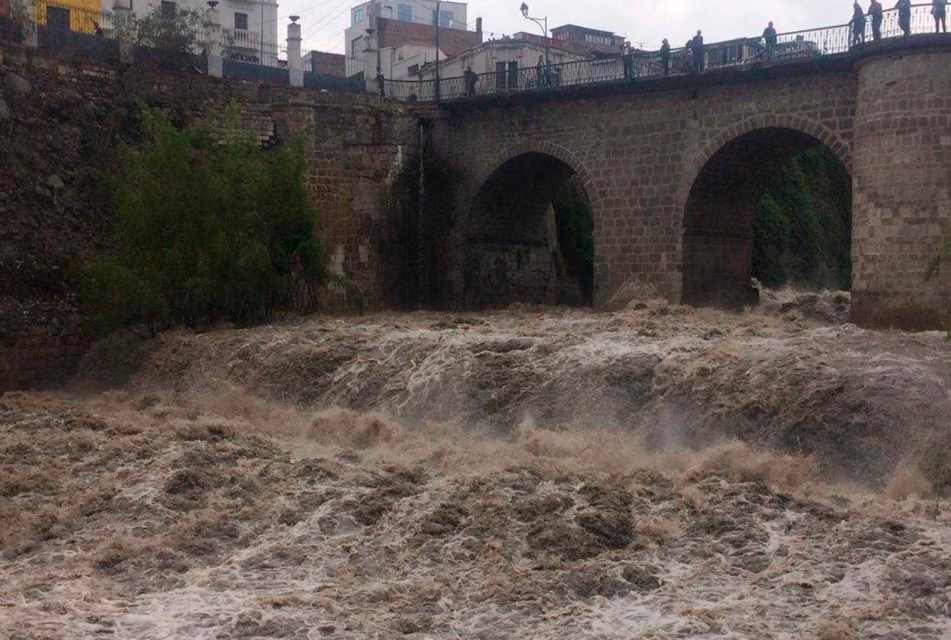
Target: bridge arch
[724,187]
[528,233]
[545,148]
[821,133]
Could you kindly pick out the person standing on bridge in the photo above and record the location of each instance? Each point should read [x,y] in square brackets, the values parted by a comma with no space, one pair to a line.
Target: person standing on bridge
[876,12]
[380,82]
[696,46]
[939,9]
[686,58]
[858,24]
[471,78]
[904,16]
[665,57]
[627,59]
[771,38]
[540,72]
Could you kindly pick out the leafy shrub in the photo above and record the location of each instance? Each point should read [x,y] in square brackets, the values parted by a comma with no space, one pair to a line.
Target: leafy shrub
[576,238]
[206,227]
[181,33]
[802,229]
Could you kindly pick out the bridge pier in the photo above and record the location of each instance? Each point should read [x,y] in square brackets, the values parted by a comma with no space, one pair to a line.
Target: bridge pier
[902,189]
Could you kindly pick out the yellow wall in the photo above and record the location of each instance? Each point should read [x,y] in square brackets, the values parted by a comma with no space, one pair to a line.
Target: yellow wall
[82,13]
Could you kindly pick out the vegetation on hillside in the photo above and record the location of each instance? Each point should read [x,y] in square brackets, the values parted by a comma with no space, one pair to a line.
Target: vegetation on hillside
[206,228]
[802,230]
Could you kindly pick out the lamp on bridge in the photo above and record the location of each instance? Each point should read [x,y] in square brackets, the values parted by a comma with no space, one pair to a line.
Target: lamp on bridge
[543,25]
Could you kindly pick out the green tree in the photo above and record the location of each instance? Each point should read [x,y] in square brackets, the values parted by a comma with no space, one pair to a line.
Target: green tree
[206,227]
[170,35]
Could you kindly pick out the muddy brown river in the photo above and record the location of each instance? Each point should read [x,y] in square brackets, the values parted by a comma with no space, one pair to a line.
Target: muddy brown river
[652,473]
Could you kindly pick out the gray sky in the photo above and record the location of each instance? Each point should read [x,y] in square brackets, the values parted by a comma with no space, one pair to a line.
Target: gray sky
[639,20]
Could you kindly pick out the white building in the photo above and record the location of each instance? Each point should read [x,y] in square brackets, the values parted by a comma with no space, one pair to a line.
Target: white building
[249,27]
[400,35]
[499,64]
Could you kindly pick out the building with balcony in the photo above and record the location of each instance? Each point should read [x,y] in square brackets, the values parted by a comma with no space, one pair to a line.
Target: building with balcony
[400,37]
[249,27]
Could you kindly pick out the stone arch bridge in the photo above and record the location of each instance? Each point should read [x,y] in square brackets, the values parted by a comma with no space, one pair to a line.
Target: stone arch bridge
[674,167]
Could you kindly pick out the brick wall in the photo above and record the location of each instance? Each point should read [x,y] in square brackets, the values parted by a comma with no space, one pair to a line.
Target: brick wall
[327,64]
[451,41]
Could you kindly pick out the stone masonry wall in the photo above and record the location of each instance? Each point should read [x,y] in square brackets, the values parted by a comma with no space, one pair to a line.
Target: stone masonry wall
[60,114]
[902,187]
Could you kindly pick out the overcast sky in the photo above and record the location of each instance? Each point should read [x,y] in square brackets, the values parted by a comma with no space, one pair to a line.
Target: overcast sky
[641,21]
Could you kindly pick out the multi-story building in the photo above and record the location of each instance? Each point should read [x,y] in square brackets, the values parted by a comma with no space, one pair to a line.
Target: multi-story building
[399,36]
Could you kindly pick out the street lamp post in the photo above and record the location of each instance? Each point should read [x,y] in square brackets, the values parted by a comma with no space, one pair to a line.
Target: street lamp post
[543,25]
[436,88]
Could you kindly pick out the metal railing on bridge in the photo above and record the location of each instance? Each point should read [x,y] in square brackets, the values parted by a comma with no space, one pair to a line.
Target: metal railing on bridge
[740,53]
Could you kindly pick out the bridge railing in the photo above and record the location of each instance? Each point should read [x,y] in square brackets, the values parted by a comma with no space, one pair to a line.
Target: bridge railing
[742,52]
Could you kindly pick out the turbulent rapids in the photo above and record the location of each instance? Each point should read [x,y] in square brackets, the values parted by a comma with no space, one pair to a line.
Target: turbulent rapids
[657,472]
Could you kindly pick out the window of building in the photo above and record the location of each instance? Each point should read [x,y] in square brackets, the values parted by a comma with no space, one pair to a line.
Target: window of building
[506,75]
[356,48]
[445,19]
[357,16]
[593,39]
[404,12]
[413,69]
[169,9]
[241,21]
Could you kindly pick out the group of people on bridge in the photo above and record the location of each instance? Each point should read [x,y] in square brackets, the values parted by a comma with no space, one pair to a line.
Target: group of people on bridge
[694,54]
[876,13]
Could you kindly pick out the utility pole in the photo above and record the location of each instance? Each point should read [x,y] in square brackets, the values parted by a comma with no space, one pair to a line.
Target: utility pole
[262,32]
[437,50]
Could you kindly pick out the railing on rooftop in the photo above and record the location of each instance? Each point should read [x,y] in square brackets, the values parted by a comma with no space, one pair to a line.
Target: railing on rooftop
[247,46]
[741,53]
